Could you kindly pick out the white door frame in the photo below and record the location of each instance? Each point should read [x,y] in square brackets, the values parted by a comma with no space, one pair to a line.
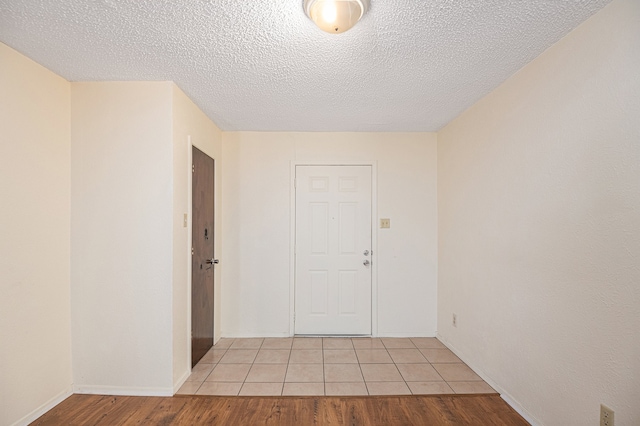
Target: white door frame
[374,237]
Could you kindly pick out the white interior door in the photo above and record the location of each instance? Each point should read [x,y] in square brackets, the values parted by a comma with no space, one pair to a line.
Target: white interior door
[333,250]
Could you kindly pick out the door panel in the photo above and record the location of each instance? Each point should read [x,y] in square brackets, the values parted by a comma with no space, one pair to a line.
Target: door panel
[202,257]
[333,230]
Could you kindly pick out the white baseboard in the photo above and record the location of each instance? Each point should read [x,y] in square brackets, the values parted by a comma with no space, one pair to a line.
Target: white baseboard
[520,410]
[122,391]
[180,382]
[257,335]
[513,403]
[380,334]
[404,334]
[44,407]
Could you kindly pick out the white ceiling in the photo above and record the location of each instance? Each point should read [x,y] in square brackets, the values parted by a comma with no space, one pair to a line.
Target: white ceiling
[262,64]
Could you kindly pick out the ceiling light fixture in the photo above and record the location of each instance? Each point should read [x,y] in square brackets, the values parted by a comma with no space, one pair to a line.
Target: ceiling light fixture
[335,16]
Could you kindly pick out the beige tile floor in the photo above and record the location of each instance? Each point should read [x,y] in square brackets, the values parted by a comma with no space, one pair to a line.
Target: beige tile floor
[331,366]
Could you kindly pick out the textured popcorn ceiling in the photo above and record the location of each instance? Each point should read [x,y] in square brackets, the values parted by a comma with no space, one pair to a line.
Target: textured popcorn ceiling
[263,65]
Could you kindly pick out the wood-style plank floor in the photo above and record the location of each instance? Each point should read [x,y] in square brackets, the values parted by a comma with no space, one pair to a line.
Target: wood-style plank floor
[368,410]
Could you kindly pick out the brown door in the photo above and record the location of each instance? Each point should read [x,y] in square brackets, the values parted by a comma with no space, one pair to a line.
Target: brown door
[202,260]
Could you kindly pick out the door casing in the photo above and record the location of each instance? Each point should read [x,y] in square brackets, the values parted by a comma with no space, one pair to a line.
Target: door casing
[374,237]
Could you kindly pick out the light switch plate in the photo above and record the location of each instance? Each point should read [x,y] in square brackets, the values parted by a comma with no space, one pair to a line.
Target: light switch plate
[385,223]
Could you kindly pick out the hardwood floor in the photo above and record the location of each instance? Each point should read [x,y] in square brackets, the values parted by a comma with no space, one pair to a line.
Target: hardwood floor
[369,410]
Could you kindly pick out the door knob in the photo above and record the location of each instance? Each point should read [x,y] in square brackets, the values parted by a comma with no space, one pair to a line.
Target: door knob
[212,261]
[366,262]
[366,253]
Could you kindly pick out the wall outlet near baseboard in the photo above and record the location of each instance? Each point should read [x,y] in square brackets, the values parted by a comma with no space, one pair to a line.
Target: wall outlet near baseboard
[606,416]
[454,320]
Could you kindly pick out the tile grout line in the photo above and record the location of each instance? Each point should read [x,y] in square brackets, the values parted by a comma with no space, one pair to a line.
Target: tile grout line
[225,351]
[366,386]
[251,367]
[286,370]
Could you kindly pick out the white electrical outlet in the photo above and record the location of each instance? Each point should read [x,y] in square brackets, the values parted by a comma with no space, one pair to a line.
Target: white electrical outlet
[454,321]
[606,416]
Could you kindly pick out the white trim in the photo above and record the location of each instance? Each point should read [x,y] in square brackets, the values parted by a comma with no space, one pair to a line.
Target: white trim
[33,415]
[374,236]
[181,381]
[513,403]
[374,249]
[189,245]
[407,334]
[122,391]
[518,408]
[245,335]
[292,247]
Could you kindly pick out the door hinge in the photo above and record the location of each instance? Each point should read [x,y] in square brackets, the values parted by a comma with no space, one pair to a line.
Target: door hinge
[191,251]
[193,168]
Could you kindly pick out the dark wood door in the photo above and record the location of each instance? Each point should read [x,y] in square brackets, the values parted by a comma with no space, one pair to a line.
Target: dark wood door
[202,259]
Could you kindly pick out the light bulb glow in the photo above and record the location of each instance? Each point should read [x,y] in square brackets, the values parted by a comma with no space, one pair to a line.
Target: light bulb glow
[329,12]
[335,16]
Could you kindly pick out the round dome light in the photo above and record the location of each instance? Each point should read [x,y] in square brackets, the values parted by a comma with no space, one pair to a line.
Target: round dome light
[335,16]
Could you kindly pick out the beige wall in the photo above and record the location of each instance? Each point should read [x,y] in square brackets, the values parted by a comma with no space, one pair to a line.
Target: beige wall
[256,240]
[35,331]
[538,197]
[190,127]
[539,229]
[112,159]
[121,237]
